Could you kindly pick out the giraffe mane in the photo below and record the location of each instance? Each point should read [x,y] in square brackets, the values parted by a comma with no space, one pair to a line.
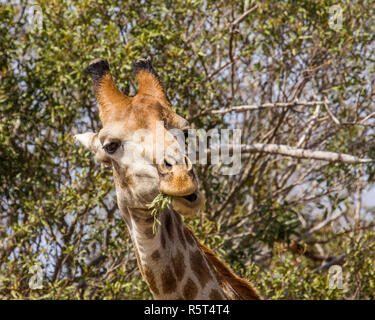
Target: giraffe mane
[234,287]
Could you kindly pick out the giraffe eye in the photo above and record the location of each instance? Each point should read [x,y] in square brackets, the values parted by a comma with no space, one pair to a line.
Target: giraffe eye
[111,147]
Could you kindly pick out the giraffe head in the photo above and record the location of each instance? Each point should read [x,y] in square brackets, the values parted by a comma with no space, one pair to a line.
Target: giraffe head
[142,140]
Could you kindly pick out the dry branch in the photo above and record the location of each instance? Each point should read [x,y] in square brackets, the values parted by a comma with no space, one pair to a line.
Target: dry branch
[288,151]
[245,108]
[243,16]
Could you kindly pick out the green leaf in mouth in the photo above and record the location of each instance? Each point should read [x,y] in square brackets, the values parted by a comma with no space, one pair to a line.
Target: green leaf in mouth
[159,204]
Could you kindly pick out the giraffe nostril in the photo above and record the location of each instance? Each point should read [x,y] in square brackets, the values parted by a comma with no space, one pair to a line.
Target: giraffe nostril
[168,165]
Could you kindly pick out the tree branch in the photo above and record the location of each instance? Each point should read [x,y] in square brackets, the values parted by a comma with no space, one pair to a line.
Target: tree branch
[295,153]
[243,16]
[336,260]
[245,108]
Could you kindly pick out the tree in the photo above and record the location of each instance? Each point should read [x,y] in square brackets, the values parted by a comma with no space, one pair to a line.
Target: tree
[283,73]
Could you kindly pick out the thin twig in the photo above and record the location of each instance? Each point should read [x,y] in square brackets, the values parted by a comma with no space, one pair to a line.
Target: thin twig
[336,260]
[367,117]
[334,119]
[243,16]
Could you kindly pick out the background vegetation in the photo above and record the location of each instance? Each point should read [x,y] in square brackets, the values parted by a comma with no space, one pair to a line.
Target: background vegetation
[281,222]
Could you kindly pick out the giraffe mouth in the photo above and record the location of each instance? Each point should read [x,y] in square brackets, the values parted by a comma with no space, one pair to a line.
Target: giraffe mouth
[191,197]
[189,205]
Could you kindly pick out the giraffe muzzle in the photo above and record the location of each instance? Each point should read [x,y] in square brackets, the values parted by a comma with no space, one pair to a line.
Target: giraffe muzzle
[189,205]
[178,179]
[179,183]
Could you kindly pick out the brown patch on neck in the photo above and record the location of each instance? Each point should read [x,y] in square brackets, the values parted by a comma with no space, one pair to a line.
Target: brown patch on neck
[150,279]
[216,295]
[169,225]
[181,237]
[179,265]
[155,255]
[200,267]
[162,239]
[190,290]
[179,227]
[168,281]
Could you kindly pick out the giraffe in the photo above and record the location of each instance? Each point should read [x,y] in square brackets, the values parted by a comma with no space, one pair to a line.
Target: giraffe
[172,261]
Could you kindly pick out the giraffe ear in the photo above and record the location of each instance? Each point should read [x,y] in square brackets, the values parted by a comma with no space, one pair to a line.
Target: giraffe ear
[91,141]
[149,81]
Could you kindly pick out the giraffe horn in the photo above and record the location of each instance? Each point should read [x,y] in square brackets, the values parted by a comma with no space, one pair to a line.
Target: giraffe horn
[149,81]
[109,97]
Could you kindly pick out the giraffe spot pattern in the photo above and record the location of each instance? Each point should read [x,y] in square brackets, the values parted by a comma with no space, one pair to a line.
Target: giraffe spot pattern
[179,265]
[168,281]
[180,234]
[162,239]
[190,290]
[200,268]
[169,225]
[149,276]
[155,255]
[181,237]
[215,295]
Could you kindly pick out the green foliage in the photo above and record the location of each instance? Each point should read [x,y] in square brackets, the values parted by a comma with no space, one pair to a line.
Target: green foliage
[58,207]
[158,205]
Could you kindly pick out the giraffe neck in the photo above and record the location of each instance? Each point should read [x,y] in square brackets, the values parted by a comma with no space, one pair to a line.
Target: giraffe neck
[171,261]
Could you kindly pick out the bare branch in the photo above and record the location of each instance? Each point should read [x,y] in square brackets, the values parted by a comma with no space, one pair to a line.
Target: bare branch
[243,16]
[303,153]
[308,129]
[297,153]
[319,226]
[334,119]
[336,260]
[367,117]
[245,108]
